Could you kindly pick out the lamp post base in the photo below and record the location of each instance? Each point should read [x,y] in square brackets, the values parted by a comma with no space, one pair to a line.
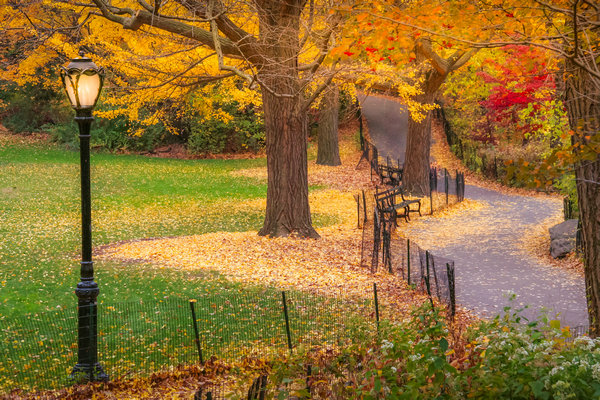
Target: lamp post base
[88,373]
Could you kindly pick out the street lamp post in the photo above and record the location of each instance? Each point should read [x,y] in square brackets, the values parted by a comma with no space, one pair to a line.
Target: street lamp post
[83,80]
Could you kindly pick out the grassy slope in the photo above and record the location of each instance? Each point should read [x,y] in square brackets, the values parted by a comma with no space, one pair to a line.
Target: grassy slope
[133,197]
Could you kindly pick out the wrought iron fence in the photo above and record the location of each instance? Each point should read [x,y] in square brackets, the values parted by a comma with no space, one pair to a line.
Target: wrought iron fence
[381,249]
[39,351]
[490,166]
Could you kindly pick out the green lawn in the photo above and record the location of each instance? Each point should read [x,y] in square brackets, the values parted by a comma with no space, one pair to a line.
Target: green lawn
[144,313]
[133,197]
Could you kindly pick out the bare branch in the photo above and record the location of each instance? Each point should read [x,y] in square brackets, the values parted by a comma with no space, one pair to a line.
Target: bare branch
[320,89]
[138,18]
[217,45]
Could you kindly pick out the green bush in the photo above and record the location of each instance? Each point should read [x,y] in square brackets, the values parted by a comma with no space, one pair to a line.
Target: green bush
[506,358]
[110,134]
[114,134]
[244,132]
[28,108]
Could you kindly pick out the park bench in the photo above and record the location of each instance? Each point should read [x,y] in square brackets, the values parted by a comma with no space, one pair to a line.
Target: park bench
[390,209]
[391,173]
[393,201]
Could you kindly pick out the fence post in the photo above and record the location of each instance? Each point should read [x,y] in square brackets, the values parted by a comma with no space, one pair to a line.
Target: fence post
[432,171]
[387,244]
[457,186]
[376,240]
[287,320]
[364,206]
[357,198]
[579,245]
[370,161]
[308,378]
[408,260]
[196,334]
[376,305]
[451,289]
[427,276]
[375,164]
[446,184]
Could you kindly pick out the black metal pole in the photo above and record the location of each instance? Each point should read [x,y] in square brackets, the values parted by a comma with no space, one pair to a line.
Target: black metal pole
[287,320]
[427,281]
[196,333]
[87,367]
[432,187]
[457,187]
[364,206]
[451,289]
[446,184]
[357,197]
[376,304]
[408,260]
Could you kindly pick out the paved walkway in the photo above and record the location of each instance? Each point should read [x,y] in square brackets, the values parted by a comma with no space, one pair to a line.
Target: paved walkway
[489,261]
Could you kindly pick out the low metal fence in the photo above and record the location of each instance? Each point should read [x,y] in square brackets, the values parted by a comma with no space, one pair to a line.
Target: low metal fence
[134,339]
[381,250]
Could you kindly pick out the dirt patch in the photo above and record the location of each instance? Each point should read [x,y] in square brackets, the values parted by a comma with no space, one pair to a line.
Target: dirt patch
[180,151]
[9,138]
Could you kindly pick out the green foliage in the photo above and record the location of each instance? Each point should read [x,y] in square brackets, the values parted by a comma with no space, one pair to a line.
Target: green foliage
[110,133]
[550,121]
[31,108]
[244,130]
[506,358]
[522,359]
[27,108]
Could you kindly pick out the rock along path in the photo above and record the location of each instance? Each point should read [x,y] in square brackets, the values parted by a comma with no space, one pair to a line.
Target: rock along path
[489,261]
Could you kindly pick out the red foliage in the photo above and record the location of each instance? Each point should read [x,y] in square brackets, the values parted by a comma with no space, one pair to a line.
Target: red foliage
[520,80]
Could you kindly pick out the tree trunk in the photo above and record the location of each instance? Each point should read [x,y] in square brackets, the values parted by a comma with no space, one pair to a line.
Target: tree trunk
[582,100]
[328,152]
[286,122]
[415,177]
[287,191]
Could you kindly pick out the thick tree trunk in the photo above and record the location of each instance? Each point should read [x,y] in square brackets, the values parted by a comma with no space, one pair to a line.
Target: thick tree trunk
[415,178]
[328,152]
[287,194]
[582,99]
[286,122]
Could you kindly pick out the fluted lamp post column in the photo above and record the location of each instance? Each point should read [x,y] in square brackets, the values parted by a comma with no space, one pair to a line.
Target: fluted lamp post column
[83,81]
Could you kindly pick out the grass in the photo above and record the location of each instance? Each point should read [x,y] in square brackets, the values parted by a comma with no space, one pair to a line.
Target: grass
[144,309]
[133,197]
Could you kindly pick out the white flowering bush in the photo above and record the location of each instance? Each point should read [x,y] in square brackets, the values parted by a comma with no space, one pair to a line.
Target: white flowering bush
[530,360]
[424,358]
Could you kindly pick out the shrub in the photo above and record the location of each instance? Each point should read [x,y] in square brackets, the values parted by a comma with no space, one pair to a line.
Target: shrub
[506,358]
[243,130]
[111,134]
[28,108]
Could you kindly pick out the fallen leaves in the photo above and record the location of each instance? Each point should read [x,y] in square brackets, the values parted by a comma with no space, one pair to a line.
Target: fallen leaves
[536,242]
[7,138]
[447,226]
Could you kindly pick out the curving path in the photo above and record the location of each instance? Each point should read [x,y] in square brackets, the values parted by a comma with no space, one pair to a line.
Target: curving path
[489,261]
